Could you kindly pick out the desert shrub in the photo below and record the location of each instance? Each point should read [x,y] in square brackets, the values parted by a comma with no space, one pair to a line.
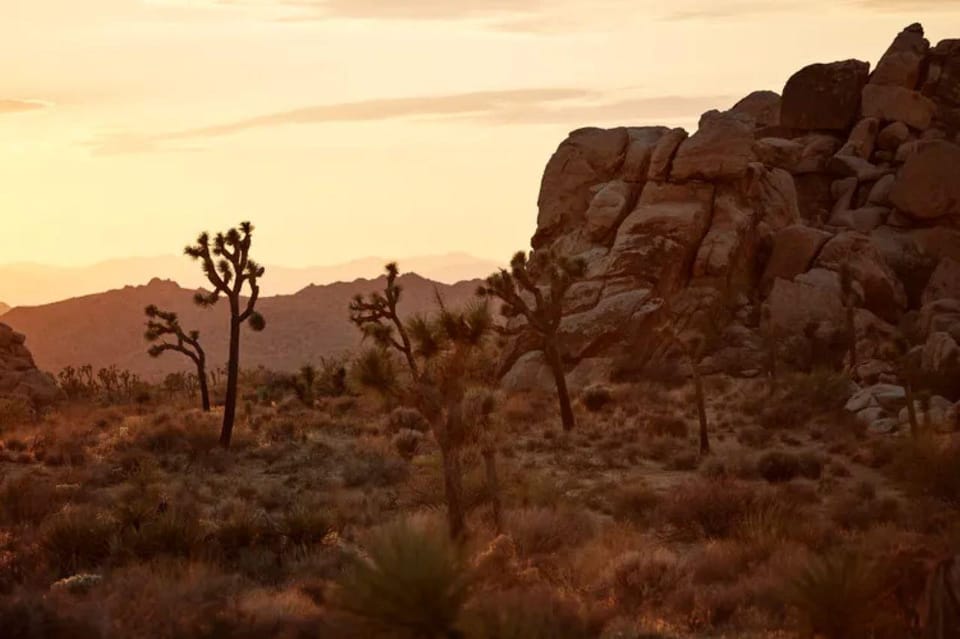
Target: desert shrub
[929,469]
[596,398]
[778,466]
[837,595]
[239,529]
[76,539]
[684,460]
[14,412]
[523,614]
[711,509]
[859,511]
[539,531]
[754,437]
[174,533]
[412,582]
[407,442]
[306,523]
[644,578]
[33,616]
[635,502]
[27,500]
[667,426]
[719,562]
[803,396]
[371,466]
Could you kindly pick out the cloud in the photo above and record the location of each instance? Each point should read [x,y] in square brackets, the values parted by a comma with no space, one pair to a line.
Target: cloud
[21,106]
[516,106]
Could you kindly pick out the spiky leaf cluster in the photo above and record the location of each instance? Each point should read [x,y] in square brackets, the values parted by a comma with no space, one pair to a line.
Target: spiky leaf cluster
[227,265]
[534,288]
[166,333]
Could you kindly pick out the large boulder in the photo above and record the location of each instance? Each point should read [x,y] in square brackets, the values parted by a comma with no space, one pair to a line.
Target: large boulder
[587,157]
[793,306]
[944,282]
[587,333]
[897,104]
[19,377]
[901,65]
[762,107]
[721,149]
[824,96]
[794,249]
[882,290]
[928,185]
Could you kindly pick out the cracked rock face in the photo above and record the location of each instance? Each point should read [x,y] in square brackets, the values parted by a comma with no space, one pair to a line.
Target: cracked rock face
[19,376]
[756,213]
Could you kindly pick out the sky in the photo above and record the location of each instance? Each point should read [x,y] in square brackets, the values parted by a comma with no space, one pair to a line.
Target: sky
[348,128]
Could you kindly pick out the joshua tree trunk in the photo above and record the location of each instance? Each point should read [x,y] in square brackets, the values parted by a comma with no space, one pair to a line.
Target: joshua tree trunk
[556,367]
[852,336]
[912,410]
[701,411]
[204,390]
[493,486]
[233,373]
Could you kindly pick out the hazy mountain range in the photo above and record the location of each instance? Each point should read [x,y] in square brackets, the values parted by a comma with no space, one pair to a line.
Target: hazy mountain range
[29,284]
[107,328]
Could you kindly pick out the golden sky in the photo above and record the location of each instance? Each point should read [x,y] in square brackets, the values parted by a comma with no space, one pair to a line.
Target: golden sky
[346,128]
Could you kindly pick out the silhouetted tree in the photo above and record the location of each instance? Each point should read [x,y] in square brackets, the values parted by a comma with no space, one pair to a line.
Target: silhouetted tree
[226,263]
[163,324]
[534,289]
[441,355]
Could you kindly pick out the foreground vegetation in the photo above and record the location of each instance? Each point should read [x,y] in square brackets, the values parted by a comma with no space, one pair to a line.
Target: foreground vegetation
[327,517]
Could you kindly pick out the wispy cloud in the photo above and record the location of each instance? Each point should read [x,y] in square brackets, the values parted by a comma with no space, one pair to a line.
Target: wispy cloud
[517,106]
[21,106]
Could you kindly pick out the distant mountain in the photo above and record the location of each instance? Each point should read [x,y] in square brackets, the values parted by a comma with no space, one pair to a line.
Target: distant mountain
[28,284]
[3,308]
[107,328]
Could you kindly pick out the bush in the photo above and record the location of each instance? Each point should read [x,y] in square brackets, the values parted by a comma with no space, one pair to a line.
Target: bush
[27,500]
[539,531]
[76,539]
[635,502]
[837,596]
[778,466]
[403,418]
[33,616]
[667,426]
[929,469]
[175,533]
[711,509]
[372,467]
[305,524]
[521,614]
[413,582]
[644,579]
[595,398]
[407,443]
[14,412]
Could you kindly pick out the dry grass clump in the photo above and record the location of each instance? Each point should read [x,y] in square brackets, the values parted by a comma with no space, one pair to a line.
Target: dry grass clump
[539,531]
[27,499]
[644,578]
[371,464]
[596,398]
[928,468]
[540,613]
[75,539]
[780,466]
[709,509]
[802,396]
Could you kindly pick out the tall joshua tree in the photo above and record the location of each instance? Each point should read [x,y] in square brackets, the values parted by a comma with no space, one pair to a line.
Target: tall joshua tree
[164,324]
[226,263]
[534,289]
[441,353]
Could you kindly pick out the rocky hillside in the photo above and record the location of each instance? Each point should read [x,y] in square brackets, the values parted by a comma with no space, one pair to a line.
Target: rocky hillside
[746,231]
[107,328]
[3,308]
[19,377]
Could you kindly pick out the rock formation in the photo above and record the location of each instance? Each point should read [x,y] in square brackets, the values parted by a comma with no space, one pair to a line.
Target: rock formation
[762,208]
[19,376]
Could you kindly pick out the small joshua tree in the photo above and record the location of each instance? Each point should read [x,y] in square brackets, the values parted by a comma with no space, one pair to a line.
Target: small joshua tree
[850,298]
[691,346]
[441,352]
[534,290]
[226,263]
[164,324]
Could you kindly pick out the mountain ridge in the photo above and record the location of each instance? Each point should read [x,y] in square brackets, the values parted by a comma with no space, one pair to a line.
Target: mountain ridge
[103,329]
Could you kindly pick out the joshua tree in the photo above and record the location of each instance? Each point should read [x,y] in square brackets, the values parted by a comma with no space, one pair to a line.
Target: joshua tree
[534,289]
[850,296]
[226,263]
[441,352]
[160,325]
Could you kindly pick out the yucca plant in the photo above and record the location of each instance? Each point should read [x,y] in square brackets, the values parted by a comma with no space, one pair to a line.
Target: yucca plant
[411,583]
[837,595]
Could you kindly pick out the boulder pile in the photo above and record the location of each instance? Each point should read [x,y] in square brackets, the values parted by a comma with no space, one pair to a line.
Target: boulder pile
[19,377]
[769,223]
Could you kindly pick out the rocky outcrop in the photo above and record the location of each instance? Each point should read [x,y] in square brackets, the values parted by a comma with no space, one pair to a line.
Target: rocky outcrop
[763,207]
[19,376]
